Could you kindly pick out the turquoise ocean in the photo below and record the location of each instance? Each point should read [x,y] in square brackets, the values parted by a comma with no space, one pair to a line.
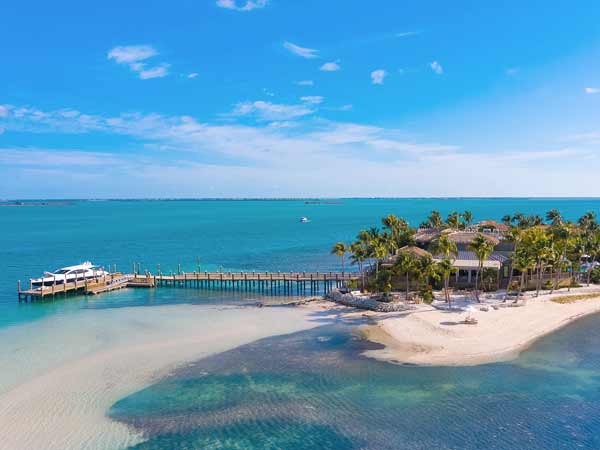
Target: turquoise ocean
[318,392]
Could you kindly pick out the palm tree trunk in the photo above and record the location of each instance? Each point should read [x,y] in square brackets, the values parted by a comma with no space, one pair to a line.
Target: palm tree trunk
[407,287]
[539,279]
[551,280]
[520,287]
[342,263]
[510,278]
[589,274]
[446,283]
[477,282]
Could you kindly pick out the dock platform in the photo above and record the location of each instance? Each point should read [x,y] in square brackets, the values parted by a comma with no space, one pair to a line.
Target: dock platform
[287,283]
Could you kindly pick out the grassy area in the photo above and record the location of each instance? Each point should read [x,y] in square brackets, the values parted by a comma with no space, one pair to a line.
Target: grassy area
[574,298]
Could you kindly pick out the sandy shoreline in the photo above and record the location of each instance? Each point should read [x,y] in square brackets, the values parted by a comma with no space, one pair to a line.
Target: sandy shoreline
[432,336]
[60,376]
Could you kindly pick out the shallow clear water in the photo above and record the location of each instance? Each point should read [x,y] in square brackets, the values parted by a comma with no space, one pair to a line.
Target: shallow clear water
[311,389]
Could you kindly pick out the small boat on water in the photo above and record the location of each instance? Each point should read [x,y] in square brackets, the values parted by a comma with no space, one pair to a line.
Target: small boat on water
[304,219]
[84,271]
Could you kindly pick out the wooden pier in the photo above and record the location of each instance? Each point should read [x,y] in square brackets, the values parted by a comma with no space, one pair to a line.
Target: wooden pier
[286,283]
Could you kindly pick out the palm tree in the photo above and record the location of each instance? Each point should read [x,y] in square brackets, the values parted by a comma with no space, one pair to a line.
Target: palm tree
[554,217]
[536,243]
[588,221]
[442,245]
[482,248]
[523,262]
[405,265]
[467,216]
[434,220]
[359,255]
[446,269]
[514,236]
[507,219]
[380,251]
[426,269]
[453,220]
[340,250]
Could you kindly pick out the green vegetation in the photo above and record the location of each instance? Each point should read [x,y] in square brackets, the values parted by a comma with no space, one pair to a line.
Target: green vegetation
[541,252]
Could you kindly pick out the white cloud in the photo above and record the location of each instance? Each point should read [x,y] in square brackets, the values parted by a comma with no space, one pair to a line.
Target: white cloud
[330,67]
[133,55]
[248,6]
[192,75]
[268,111]
[305,83]
[312,99]
[4,111]
[436,67]
[155,72]
[377,76]
[592,90]
[345,108]
[308,53]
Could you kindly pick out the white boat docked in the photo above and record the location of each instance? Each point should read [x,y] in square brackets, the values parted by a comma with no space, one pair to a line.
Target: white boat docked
[84,271]
[304,219]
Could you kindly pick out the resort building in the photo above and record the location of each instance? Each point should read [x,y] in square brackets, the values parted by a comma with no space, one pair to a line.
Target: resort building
[467,262]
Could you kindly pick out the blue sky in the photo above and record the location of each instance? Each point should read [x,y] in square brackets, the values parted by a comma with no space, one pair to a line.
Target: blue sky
[276,98]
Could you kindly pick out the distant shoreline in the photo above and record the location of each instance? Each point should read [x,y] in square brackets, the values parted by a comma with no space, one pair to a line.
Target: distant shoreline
[275,199]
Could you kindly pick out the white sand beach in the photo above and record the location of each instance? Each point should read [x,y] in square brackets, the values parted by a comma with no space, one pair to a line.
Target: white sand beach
[60,375]
[433,336]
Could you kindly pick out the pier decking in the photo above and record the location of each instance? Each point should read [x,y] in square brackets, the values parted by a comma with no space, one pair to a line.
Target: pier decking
[287,283]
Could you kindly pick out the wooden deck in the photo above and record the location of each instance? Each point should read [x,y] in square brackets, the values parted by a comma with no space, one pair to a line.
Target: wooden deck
[274,282]
[94,286]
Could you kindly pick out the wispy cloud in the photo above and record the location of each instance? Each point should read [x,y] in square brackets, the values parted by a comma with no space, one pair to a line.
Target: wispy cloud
[308,53]
[592,90]
[312,99]
[407,34]
[234,158]
[305,83]
[377,76]
[3,111]
[155,72]
[54,157]
[192,75]
[511,71]
[436,67]
[135,56]
[249,5]
[267,111]
[330,67]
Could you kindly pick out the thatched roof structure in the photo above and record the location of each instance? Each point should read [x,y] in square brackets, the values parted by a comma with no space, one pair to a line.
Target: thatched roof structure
[466,237]
[426,236]
[415,251]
